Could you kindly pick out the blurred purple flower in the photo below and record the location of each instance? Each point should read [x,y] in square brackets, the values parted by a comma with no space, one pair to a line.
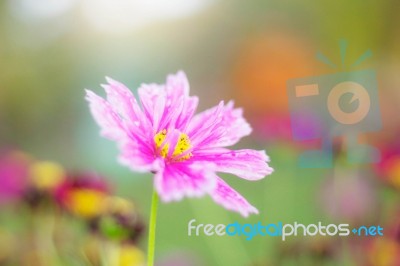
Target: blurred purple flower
[14,167]
[183,150]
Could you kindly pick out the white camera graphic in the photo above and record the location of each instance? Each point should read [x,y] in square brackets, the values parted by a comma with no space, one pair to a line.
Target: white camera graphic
[341,104]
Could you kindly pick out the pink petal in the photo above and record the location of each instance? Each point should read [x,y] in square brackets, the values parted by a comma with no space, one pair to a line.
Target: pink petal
[124,102]
[168,106]
[188,110]
[202,126]
[229,126]
[231,199]
[153,99]
[177,87]
[138,157]
[122,99]
[109,121]
[182,179]
[137,149]
[247,164]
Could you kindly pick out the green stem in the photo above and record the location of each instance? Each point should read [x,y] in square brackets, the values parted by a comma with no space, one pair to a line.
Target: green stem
[152,230]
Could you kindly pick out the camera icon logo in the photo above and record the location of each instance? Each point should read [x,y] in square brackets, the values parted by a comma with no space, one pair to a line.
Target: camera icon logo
[359,93]
[337,105]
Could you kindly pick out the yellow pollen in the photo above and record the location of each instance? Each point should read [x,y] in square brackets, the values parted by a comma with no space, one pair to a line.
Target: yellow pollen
[181,146]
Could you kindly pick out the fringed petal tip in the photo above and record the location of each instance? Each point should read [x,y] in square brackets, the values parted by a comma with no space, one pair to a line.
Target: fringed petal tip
[247,164]
[220,126]
[179,195]
[238,118]
[110,80]
[113,82]
[268,169]
[264,159]
[175,182]
[177,86]
[179,78]
[179,75]
[248,211]
[105,116]
[230,199]
[245,212]
[89,95]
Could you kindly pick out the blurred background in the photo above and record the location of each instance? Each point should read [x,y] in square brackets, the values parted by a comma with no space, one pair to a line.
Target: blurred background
[64,199]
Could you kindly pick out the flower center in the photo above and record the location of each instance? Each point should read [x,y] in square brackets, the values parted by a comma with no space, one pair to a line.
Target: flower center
[180,151]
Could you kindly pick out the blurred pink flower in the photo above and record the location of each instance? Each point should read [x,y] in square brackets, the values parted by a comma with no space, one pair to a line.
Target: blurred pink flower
[273,127]
[14,168]
[348,196]
[183,150]
[389,167]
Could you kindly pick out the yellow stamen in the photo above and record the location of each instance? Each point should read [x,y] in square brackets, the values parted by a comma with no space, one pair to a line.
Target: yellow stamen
[181,146]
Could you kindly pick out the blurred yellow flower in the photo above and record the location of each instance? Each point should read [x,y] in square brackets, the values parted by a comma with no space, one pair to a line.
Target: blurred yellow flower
[394,173]
[386,252]
[131,256]
[118,205]
[46,175]
[87,203]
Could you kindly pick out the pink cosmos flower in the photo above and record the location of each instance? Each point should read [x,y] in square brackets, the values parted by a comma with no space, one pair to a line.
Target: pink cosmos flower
[161,134]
